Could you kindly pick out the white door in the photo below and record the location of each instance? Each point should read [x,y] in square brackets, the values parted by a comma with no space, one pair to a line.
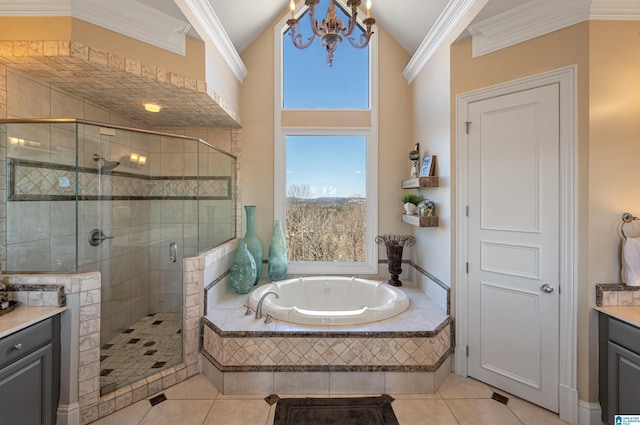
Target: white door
[514,243]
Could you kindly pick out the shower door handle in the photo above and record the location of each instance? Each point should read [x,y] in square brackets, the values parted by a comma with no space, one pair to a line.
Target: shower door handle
[173,252]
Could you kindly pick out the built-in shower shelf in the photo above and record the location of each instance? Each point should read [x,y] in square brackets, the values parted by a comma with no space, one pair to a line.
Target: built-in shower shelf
[420,220]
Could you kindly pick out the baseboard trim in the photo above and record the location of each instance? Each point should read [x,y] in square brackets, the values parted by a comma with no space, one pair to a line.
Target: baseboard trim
[568,398]
[589,413]
[68,414]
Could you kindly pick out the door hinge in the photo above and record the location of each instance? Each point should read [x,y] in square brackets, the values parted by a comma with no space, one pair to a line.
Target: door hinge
[467,350]
[467,268]
[467,211]
[467,125]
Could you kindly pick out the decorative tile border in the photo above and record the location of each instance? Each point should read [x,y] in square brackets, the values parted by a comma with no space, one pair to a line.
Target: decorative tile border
[612,294]
[39,181]
[37,295]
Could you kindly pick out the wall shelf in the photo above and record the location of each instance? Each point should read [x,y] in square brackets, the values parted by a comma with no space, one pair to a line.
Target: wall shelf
[420,221]
[420,182]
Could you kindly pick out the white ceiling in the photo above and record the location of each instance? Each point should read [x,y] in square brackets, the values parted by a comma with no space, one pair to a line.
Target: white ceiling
[408,21]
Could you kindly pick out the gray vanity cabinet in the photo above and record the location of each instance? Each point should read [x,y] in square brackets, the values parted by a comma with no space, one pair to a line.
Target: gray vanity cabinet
[30,374]
[619,379]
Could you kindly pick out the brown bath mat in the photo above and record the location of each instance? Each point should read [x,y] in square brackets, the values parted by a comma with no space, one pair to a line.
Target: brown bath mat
[335,411]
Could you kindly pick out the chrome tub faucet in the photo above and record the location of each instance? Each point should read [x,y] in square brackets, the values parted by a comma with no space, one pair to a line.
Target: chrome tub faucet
[259,306]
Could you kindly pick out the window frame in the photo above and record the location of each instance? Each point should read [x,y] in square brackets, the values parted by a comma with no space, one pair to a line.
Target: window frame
[330,127]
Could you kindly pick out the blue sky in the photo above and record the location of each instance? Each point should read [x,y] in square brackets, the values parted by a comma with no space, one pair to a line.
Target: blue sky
[310,83]
[331,165]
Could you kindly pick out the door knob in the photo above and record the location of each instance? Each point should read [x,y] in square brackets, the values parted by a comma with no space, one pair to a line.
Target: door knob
[547,289]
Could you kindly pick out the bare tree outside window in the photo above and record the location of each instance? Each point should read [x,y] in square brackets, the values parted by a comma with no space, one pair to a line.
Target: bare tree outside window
[326,200]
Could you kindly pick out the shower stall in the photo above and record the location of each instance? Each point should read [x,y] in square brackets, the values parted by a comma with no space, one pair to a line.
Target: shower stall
[84,196]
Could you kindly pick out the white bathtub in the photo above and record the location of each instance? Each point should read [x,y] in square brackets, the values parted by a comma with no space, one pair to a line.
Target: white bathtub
[330,300]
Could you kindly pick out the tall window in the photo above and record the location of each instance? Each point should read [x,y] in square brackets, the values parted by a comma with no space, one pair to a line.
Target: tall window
[326,198]
[326,171]
[309,83]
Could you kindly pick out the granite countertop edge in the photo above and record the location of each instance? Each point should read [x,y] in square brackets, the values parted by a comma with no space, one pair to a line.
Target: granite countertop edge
[627,313]
[23,317]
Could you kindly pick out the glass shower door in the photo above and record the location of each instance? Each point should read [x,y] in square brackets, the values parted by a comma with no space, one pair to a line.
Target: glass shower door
[133,232]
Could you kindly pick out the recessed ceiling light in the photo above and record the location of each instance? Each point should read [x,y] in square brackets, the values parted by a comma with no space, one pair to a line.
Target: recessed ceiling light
[152,107]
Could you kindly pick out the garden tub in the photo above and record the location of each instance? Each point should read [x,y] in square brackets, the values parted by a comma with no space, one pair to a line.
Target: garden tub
[330,300]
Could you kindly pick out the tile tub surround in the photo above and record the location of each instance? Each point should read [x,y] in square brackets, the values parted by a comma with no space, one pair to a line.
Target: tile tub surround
[617,294]
[407,353]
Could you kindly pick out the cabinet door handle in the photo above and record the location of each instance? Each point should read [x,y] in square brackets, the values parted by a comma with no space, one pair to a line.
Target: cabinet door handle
[18,346]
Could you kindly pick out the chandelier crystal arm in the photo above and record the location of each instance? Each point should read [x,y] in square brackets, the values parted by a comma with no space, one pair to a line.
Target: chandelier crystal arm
[364,37]
[317,30]
[297,38]
[354,4]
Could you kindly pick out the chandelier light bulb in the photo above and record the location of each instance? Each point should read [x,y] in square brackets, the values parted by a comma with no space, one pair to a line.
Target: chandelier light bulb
[292,6]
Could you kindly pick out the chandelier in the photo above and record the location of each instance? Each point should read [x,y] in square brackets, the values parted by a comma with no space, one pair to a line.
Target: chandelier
[332,28]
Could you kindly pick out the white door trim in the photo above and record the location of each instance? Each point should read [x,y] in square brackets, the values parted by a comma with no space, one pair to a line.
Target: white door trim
[566,78]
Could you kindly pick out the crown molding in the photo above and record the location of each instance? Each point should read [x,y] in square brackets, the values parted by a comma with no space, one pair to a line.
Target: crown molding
[207,18]
[539,17]
[35,7]
[135,20]
[615,10]
[450,17]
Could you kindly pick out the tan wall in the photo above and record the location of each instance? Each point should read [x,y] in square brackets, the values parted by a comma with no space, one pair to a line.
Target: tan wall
[555,50]
[257,112]
[67,28]
[35,28]
[614,155]
[431,122]
[191,65]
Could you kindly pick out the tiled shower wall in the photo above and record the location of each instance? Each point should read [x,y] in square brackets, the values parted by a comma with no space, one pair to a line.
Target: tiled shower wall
[137,276]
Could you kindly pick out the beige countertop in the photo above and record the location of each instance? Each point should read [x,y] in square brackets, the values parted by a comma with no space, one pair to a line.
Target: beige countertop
[627,313]
[23,317]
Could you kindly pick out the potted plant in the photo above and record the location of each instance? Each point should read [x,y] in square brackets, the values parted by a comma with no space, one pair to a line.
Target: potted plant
[411,201]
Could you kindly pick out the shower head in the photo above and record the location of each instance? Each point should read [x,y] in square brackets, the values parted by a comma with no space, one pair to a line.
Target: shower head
[107,165]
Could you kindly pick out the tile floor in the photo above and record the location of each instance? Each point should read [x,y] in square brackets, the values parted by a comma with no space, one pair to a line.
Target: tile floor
[150,345]
[460,401]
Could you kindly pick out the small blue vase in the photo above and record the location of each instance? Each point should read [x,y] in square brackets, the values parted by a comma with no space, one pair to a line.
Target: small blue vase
[243,270]
[278,263]
[253,243]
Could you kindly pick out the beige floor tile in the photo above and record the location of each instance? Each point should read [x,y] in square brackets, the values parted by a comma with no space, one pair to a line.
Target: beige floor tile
[131,415]
[195,388]
[481,412]
[417,396]
[423,412]
[530,414]
[456,386]
[241,396]
[172,412]
[238,412]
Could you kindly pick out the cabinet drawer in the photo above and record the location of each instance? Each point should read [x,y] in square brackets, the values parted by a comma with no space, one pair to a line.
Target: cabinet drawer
[624,335]
[27,339]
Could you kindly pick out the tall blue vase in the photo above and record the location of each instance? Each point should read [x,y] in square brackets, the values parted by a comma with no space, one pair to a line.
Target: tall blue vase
[243,270]
[278,263]
[253,243]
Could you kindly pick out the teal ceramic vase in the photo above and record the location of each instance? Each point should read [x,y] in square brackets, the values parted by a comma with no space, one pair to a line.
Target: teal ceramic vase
[253,243]
[278,263]
[243,270]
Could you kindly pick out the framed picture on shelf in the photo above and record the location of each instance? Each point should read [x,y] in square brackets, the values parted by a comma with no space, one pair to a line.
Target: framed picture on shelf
[428,166]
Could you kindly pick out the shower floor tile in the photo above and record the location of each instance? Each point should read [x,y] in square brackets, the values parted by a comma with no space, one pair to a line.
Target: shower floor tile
[124,361]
